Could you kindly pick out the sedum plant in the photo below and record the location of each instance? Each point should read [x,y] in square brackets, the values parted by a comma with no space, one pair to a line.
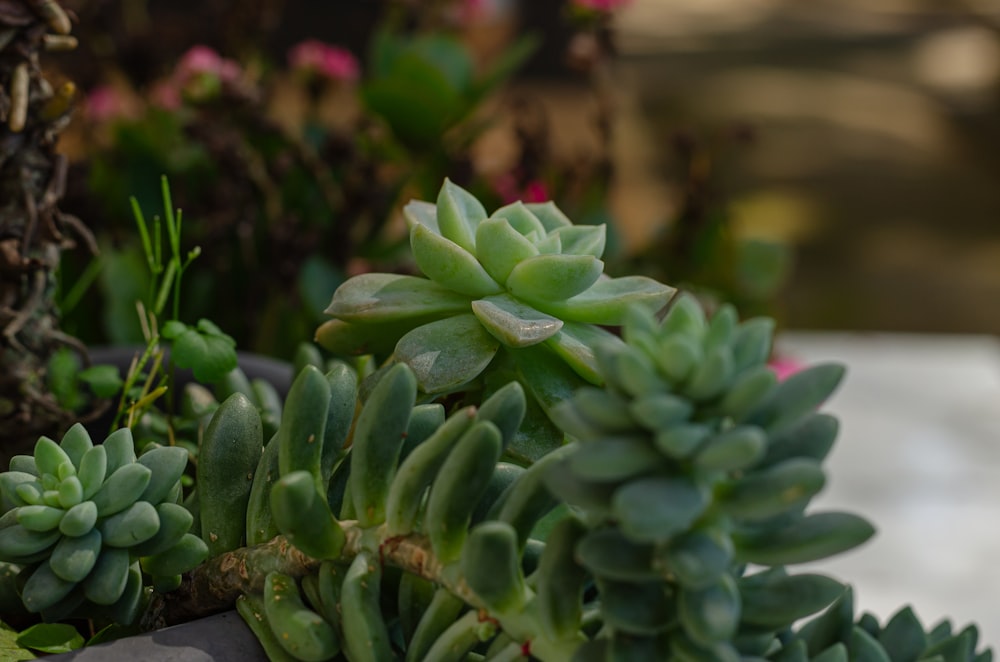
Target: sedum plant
[84,522]
[517,294]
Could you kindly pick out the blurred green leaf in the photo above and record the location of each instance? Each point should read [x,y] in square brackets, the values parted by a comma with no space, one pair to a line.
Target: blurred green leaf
[51,638]
[9,649]
[62,370]
[103,380]
[205,349]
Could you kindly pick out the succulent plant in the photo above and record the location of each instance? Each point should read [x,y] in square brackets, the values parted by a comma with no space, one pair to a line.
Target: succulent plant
[517,294]
[692,462]
[85,521]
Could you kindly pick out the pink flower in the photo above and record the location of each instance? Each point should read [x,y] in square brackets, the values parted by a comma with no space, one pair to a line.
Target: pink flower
[105,103]
[166,94]
[313,57]
[602,6]
[507,188]
[784,367]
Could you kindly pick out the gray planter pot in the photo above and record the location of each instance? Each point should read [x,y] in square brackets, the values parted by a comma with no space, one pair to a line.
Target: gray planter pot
[220,638]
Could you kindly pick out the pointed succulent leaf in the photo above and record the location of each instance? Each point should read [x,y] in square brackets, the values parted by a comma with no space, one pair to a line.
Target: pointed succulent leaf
[657,509]
[904,635]
[549,215]
[685,316]
[752,342]
[447,353]
[521,219]
[615,459]
[450,265]
[502,247]
[458,214]
[389,297]
[607,300]
[583,239]
[608,553]
[513,323]
[778,600]
[420,212]
[548,379]
[353,338]
[554,277]
[810,538]
[696,558]
[550,245]
[797,396]
[764,494]
[575,344]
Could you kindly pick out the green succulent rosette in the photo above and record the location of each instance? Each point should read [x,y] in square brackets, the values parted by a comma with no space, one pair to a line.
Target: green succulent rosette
[520,292]
[690,463]
[86,522]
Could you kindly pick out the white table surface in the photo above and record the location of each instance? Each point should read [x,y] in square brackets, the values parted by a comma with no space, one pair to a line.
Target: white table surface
[919,456]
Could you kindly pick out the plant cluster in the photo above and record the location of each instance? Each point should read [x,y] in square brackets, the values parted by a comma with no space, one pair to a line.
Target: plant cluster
[368,516]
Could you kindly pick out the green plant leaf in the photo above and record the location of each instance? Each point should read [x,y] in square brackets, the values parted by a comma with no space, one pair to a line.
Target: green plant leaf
[656,509]
[379,297]
[459,213]
[103,380]
[583,239]
[450,265]
[521,219]
[205,349]
[607,300]
[809,538]
[575,344]
[503,247]
[420,212]
[9,649]
[447,353]
[513,323]
[797,396]
[50,638]
[778,600]
[554,277]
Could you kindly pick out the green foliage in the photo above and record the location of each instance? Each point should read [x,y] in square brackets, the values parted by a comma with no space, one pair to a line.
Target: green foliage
[79,518]
[204,348]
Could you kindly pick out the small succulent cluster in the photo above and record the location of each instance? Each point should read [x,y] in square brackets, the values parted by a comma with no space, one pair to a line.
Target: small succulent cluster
[835,635]
[693,462]
[85,521]
[523,283]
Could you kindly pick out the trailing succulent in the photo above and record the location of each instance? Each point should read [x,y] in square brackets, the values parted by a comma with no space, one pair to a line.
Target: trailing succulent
[518,294]
[84,521]
[360,519]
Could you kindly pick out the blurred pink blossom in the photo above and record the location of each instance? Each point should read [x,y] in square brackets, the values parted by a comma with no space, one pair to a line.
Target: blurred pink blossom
[317,58]
[603,6]
[105,103]
[201,60]
[165,94]
[507,188]
[784,367]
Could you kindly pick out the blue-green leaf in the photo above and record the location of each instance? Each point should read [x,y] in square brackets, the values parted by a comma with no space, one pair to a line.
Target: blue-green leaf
[447,353]
[656,509]
[607,300]
[513,323]
[389,297]
[501,247]
[450,265]
[51,638]
[554,277]
[458,215]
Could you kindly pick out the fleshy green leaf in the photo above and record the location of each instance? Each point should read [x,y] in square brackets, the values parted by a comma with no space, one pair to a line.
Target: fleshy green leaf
[420,212]
[797,396]
[810,538]
[583,239]
[779,600]
[503,247]
[575,344]
[656,509]
[520,218]
[513,323]
[390,297]
[550,216]
[607,300]
[554,277]
[353,338]
[450,265]
[447,353]
[458,215]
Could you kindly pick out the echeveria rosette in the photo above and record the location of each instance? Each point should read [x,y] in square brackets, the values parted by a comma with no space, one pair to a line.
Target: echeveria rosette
[692,462]
[523,282]
[85,522]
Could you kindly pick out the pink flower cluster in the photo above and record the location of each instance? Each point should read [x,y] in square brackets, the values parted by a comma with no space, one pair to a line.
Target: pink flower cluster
[784,367]
[106,103]
[602,6]
[199,75]
[316,58]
